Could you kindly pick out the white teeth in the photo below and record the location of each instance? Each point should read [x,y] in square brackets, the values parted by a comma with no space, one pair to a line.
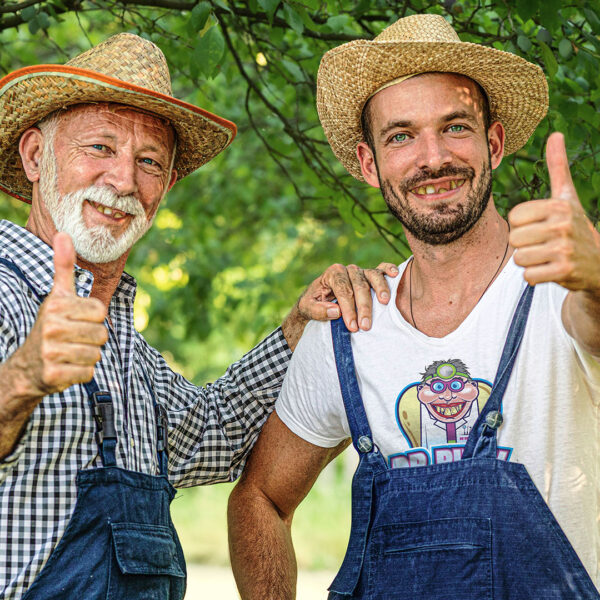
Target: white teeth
[430,189]
[107,211]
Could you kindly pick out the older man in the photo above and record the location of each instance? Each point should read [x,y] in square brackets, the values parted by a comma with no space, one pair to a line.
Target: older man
[426,118]
[95,429]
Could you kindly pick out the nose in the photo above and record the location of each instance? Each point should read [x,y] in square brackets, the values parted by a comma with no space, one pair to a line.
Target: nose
[432,152]
[447,395]
[121,174]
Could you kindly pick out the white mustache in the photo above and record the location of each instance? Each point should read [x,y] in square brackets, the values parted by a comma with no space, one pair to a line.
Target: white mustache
[107,197]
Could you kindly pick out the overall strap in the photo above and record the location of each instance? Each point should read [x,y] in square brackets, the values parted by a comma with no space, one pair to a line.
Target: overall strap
[362,438]
[104,415]
[11,265]
[482,440]
[162,429]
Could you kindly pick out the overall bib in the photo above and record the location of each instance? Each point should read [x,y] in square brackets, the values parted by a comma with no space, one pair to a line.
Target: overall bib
[475,529]
[120,543]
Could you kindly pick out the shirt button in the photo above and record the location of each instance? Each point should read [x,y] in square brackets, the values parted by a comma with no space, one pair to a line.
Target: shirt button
[132,443]
[364,444]
[82,277]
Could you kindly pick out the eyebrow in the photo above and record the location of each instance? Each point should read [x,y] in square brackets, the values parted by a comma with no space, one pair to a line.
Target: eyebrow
[458,114]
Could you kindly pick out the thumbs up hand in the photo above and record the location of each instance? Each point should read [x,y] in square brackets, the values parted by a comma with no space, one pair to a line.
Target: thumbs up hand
[554,239]
[64,343]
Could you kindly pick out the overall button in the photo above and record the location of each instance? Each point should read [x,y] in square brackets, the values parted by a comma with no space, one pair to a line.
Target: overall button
[494,419]
[364,444]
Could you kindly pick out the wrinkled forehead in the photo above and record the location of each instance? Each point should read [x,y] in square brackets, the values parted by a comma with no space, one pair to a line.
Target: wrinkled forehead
[411,91]
[117,115]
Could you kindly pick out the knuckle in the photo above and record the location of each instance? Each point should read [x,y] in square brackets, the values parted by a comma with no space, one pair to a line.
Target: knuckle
[336,268]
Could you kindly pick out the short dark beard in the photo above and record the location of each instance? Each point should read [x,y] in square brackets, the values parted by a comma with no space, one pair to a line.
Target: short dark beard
[446,224]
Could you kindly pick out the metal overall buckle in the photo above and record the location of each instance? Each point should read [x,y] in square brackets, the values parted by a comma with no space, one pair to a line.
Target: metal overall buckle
[162,423]
[104,415]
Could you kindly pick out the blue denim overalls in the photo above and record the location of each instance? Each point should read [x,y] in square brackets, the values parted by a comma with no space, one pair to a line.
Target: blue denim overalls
[120,543]
[476,529]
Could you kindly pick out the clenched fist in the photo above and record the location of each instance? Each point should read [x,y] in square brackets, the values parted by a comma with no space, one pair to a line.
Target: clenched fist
[65,341]
[554,239]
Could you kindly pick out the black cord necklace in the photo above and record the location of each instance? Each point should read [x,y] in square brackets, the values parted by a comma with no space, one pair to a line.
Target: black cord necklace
[412,260]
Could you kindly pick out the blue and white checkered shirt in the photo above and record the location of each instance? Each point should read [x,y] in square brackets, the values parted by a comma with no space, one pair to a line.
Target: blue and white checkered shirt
[211,430]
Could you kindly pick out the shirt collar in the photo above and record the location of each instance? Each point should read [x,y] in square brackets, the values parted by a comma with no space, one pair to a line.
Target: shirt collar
[36,259]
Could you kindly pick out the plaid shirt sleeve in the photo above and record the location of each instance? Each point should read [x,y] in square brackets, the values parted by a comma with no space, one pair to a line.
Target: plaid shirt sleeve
[212,429]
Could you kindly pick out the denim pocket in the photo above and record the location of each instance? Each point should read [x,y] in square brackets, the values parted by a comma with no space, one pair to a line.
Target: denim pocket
[145,564]
[444,559]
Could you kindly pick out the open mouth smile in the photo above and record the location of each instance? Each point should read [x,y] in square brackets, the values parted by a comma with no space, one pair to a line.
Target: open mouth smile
[448,410]
[438,187]
[108,211]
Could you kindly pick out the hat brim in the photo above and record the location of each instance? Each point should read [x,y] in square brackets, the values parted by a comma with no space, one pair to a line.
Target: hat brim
[29,94]
[349,74]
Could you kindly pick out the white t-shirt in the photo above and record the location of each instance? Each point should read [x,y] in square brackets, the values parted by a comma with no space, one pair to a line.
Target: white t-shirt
[422,395]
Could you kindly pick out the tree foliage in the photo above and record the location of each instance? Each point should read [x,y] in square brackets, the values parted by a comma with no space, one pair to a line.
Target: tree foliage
[235,242]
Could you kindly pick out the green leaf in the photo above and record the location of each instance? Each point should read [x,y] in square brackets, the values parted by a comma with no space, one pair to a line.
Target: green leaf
[294,69]
[199,15]
[33,25]
[543,35]
[270,7]
[527,8]
[28,13]
[209,51]
[524,43]
[550,13]
[565,48]
[43,20]
[223,5]
[312,4]
[294,19]
[338,22]
[549,60]
[592,19]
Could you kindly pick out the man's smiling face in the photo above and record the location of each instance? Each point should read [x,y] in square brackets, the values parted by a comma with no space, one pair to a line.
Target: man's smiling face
[103,174]
[431,154]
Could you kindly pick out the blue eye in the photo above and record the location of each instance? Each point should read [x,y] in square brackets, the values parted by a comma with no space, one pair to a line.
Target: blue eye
[438,386]
[148,161]
[98,146]
[456,385]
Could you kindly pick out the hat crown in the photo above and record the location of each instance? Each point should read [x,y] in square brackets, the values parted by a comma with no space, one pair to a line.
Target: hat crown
[129,58]
[419,28]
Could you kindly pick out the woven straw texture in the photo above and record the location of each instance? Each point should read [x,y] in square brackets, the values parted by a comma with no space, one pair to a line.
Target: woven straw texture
[124,69]
[349,74]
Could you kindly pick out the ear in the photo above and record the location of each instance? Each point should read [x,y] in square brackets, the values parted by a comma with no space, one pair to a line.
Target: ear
[172,180]
[30,149]
[368,166]
[496,136]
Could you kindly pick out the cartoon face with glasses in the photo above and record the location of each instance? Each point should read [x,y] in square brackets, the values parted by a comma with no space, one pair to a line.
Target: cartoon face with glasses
[448,392]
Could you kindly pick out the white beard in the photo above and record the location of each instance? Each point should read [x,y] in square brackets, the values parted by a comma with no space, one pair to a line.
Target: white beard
[95,244]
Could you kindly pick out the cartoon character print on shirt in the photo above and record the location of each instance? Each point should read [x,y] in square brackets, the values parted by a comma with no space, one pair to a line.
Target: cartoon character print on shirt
[435,415]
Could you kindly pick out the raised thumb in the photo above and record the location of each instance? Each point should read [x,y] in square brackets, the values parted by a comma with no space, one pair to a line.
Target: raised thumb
[64,263]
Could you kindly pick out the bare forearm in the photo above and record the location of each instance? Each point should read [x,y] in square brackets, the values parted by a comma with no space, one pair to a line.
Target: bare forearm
[581,317]
[260,544]
[17,402]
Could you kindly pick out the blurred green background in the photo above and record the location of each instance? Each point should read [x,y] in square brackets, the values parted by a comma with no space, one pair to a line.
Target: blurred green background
[236,242]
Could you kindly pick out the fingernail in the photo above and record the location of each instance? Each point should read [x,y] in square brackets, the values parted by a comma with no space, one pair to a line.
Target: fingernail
[385,296]
[353,325]
[365,323]
[333,313]
[394,269]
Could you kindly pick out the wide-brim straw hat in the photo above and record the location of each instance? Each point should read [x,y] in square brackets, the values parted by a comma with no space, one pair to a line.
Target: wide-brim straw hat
[124,69]
[351,73]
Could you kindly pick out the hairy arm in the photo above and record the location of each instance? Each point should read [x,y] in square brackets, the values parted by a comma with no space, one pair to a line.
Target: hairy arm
[280,472]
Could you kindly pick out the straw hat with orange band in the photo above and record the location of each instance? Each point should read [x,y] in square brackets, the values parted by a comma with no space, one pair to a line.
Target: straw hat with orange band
[352,73]
[124,69]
